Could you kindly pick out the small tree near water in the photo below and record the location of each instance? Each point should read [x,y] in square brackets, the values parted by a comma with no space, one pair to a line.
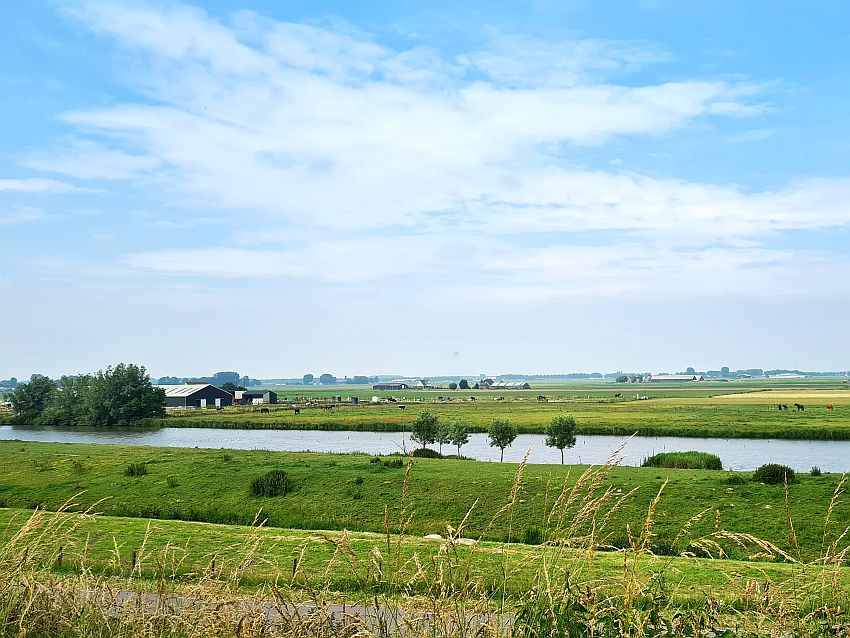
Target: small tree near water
[425,428]
[459,433]
[501,434]
[561,433]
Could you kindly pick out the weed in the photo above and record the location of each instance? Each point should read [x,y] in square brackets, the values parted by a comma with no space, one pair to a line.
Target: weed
[273,483]
[136,469]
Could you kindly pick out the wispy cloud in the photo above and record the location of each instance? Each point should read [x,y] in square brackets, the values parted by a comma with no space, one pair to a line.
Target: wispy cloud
[38,185]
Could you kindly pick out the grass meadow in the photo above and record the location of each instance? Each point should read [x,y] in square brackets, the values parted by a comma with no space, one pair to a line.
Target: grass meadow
[718,410]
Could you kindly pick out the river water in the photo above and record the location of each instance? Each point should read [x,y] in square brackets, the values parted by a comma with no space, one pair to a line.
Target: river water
[736,454]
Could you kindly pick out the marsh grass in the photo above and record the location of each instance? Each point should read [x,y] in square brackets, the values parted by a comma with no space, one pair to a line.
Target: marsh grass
[462,588]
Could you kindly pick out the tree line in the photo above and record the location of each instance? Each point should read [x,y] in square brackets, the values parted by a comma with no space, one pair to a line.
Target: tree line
[428,429]
[119,395]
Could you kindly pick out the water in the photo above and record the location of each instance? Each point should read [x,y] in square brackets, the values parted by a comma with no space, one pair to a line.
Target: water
[736,454]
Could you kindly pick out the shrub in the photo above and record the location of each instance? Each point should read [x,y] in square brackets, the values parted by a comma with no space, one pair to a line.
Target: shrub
[172,481]
[774,474]
[685,461]
[735,479]
[273,483]
[136,469]
[358,480]
[394,462]
[375,459]
[426,453]
[533,536]
[815,471]
[226,457]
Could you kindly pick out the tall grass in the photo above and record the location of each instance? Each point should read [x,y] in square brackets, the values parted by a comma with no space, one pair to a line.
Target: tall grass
[49,585]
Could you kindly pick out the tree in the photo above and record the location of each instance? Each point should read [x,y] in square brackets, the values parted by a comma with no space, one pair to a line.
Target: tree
[68,405]
[463,384]
[424,428]
[443,435]
[561,433]
[501,434]
[327,379]
[231,387]
[622,378]
[453,386]
[724,371]
[121,396]
[459,433]
[29,400]
[220,378]
[690,370]
[307,379]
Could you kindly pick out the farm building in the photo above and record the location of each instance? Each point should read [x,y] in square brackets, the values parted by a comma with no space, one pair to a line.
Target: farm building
[510,385]
[195,395]
[254,397]
[390,386]
[676,378]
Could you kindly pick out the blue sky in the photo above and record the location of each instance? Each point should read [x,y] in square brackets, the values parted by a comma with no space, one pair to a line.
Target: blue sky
[422,188]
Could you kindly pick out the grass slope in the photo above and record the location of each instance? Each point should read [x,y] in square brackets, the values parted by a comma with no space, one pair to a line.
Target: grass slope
[352,492]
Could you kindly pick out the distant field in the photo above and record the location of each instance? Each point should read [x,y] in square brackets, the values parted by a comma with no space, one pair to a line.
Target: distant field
[716,410]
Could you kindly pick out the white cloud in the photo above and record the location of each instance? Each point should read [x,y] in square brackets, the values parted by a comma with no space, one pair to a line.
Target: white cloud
[37,185]
[455,163]
[20,215]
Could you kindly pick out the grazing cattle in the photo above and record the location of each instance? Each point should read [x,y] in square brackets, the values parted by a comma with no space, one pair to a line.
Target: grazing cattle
[264,411]
[779,407]
[542,399]
[829,407]
[800,407]
[401,407]
[296,410]
[619,395]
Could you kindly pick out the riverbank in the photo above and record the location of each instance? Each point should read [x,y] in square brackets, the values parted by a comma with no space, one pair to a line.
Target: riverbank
[752,415]
[355,492]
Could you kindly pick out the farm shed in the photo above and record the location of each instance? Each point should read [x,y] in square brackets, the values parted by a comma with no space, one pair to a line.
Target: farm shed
[676,378]
[389,386]
[195,395]
[254,397]
[510,385]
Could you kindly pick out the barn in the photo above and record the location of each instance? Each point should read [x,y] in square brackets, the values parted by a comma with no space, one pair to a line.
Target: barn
[676,378]
[510,385]
[195,395]
[255,397]
[389,386]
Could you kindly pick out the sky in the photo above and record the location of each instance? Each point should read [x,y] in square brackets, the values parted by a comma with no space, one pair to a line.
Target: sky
[423,187]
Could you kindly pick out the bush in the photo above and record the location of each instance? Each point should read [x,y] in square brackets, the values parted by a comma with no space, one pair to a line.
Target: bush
[426,453]
[375,459]
[394,462]
[533,536]
[226,457]
[735,479]
[358,480]
[273,483]
[815,471]
[136,469]
[774,474]
[685,461]
[172,481]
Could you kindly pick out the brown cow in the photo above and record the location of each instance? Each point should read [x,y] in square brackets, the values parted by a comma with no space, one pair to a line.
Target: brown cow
[829,407]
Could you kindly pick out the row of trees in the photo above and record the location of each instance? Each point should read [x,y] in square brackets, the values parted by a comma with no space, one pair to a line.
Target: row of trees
[120,395]
[428,429]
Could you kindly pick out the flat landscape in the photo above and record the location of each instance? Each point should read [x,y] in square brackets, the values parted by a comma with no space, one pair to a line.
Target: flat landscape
[727,410]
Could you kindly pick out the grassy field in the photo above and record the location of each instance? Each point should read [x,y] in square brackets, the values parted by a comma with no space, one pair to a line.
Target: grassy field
[355,492]
[343,563]
[713,410]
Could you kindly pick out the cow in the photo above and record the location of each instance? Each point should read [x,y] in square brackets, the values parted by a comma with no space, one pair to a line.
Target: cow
[401,407]
[619,395]
[542,399]
[800,407]
[296,410]
[264,411]
[829,407]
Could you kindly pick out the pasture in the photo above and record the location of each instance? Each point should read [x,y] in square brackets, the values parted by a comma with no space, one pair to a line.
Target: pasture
[728,410]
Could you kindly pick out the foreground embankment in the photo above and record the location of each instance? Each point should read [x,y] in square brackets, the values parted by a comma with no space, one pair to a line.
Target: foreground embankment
[358,492]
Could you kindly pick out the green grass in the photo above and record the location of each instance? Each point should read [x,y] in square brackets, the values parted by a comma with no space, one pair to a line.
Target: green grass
[334,492]
[718,410]
[303,559]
